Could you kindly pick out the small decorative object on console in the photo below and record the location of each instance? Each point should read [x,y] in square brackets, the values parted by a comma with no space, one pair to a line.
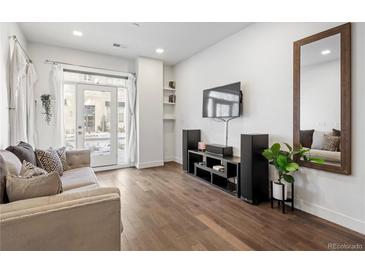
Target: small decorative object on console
[201,146]
[219,168]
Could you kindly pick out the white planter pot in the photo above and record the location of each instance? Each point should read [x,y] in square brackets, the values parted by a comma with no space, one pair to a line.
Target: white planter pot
[277,190]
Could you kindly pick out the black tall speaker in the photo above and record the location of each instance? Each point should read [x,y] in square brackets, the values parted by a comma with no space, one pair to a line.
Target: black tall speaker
[254,168]
[190,139]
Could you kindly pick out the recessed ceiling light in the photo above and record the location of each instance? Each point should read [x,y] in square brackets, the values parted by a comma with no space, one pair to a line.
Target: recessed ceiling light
[136,25]
[159,51]
[325,52]
[77,33]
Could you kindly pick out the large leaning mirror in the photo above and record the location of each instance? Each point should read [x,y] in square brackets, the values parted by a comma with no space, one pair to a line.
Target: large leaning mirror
[322,98]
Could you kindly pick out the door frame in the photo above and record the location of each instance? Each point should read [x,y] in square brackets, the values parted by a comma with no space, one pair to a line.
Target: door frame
[101,160]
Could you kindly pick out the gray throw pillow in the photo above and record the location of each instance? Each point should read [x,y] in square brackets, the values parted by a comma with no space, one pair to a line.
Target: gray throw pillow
[49,160]
[29,170]
[24,152]
[18,188]
[62,154]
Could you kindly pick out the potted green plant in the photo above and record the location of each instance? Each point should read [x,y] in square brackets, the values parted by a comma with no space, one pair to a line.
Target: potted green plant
[285,163]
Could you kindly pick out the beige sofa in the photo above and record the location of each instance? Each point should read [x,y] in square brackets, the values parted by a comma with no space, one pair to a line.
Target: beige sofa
[84,217]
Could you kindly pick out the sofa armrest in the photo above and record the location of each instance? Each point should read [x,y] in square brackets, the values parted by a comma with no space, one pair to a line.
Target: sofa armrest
[78,158]
[84,220]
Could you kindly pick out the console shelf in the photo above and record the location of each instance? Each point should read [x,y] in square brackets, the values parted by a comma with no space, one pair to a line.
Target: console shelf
[200,165]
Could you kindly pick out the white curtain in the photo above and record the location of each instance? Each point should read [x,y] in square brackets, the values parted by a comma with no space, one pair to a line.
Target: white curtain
[56,92]
[131,140]
[31,79]
[18,97]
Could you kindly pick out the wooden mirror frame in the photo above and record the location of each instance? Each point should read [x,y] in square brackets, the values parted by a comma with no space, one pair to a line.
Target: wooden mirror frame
[345,31]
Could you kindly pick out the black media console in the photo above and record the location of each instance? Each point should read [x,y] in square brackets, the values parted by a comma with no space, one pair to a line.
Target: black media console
[245,177]
[201,165]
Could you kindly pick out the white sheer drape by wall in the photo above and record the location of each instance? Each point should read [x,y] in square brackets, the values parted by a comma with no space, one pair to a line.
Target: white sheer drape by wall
[31,79]
[131,140]
[56,92]
[22,103]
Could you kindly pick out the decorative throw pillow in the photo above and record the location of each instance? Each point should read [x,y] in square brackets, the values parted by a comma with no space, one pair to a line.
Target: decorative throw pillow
[24,152]
[62,154]
[29,170]
[336,132]
[12,163]
[306,138]
[18,188]
[49,160]
[331,143]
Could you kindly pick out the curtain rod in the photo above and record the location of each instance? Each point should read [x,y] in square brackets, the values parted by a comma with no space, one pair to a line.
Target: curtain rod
[25,52]
[83,66]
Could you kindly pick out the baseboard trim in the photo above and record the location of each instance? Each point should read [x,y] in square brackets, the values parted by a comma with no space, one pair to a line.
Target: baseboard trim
[169,159]
[330,215]
[149,164]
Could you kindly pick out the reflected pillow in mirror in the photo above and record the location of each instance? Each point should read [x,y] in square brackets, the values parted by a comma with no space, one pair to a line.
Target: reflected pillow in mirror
[306,138]
[331,143]
[336,132]
[318,139]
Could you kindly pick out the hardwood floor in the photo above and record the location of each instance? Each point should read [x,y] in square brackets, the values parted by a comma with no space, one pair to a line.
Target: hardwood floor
[165,209]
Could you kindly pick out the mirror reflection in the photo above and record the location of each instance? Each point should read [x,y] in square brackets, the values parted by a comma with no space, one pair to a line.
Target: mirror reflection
[320,98]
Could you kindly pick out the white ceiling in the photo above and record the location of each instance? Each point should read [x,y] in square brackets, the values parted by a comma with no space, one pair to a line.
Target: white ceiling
[179,40]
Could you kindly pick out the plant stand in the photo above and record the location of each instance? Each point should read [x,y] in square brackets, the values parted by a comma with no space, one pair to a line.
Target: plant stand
[283,201]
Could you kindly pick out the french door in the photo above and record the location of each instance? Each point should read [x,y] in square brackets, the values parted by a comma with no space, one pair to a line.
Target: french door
[96,123]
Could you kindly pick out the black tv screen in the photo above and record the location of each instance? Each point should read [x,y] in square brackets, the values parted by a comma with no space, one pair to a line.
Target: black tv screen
[222,102]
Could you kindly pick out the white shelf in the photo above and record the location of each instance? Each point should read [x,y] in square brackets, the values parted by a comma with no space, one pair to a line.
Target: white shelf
[169,89]
[168,103]
[169,117]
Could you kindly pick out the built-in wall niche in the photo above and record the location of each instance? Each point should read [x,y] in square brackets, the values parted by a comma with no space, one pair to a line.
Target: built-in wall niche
[169,102]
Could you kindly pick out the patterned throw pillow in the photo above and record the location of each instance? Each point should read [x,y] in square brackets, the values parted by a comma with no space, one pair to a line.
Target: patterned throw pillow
[331,143]
[62,154]
[29,170]
[49,160]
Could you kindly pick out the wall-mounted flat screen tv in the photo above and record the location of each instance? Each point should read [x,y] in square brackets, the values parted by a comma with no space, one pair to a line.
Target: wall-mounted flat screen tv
[222,102]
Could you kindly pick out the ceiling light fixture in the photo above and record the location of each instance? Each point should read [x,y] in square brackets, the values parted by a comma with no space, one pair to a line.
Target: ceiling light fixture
[160,51]
[77,33]
[136,25]
[325,52]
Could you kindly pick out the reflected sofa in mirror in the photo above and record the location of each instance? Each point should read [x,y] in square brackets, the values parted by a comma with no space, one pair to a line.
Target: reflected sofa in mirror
[322,98]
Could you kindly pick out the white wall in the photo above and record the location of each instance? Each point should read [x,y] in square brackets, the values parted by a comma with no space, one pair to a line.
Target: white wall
[168,125]
[6,47]
[320,96]
[41,52]
[149,112]
[261,56]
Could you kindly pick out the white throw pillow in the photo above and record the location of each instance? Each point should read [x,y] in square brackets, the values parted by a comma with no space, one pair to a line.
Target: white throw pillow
[318,138]
[12,163]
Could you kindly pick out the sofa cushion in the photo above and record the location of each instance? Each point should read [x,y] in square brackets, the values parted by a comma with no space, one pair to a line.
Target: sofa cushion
[12,163]
[49,160]
[19,188]
[306,138]
[78,177]
[24,152]
[62,155]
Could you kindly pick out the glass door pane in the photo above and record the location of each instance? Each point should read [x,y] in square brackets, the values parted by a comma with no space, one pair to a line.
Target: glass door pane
[70,116]
[97,129]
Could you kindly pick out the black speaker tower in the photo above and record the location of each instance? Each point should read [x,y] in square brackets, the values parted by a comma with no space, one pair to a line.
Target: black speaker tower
[190,139]
[254,168]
